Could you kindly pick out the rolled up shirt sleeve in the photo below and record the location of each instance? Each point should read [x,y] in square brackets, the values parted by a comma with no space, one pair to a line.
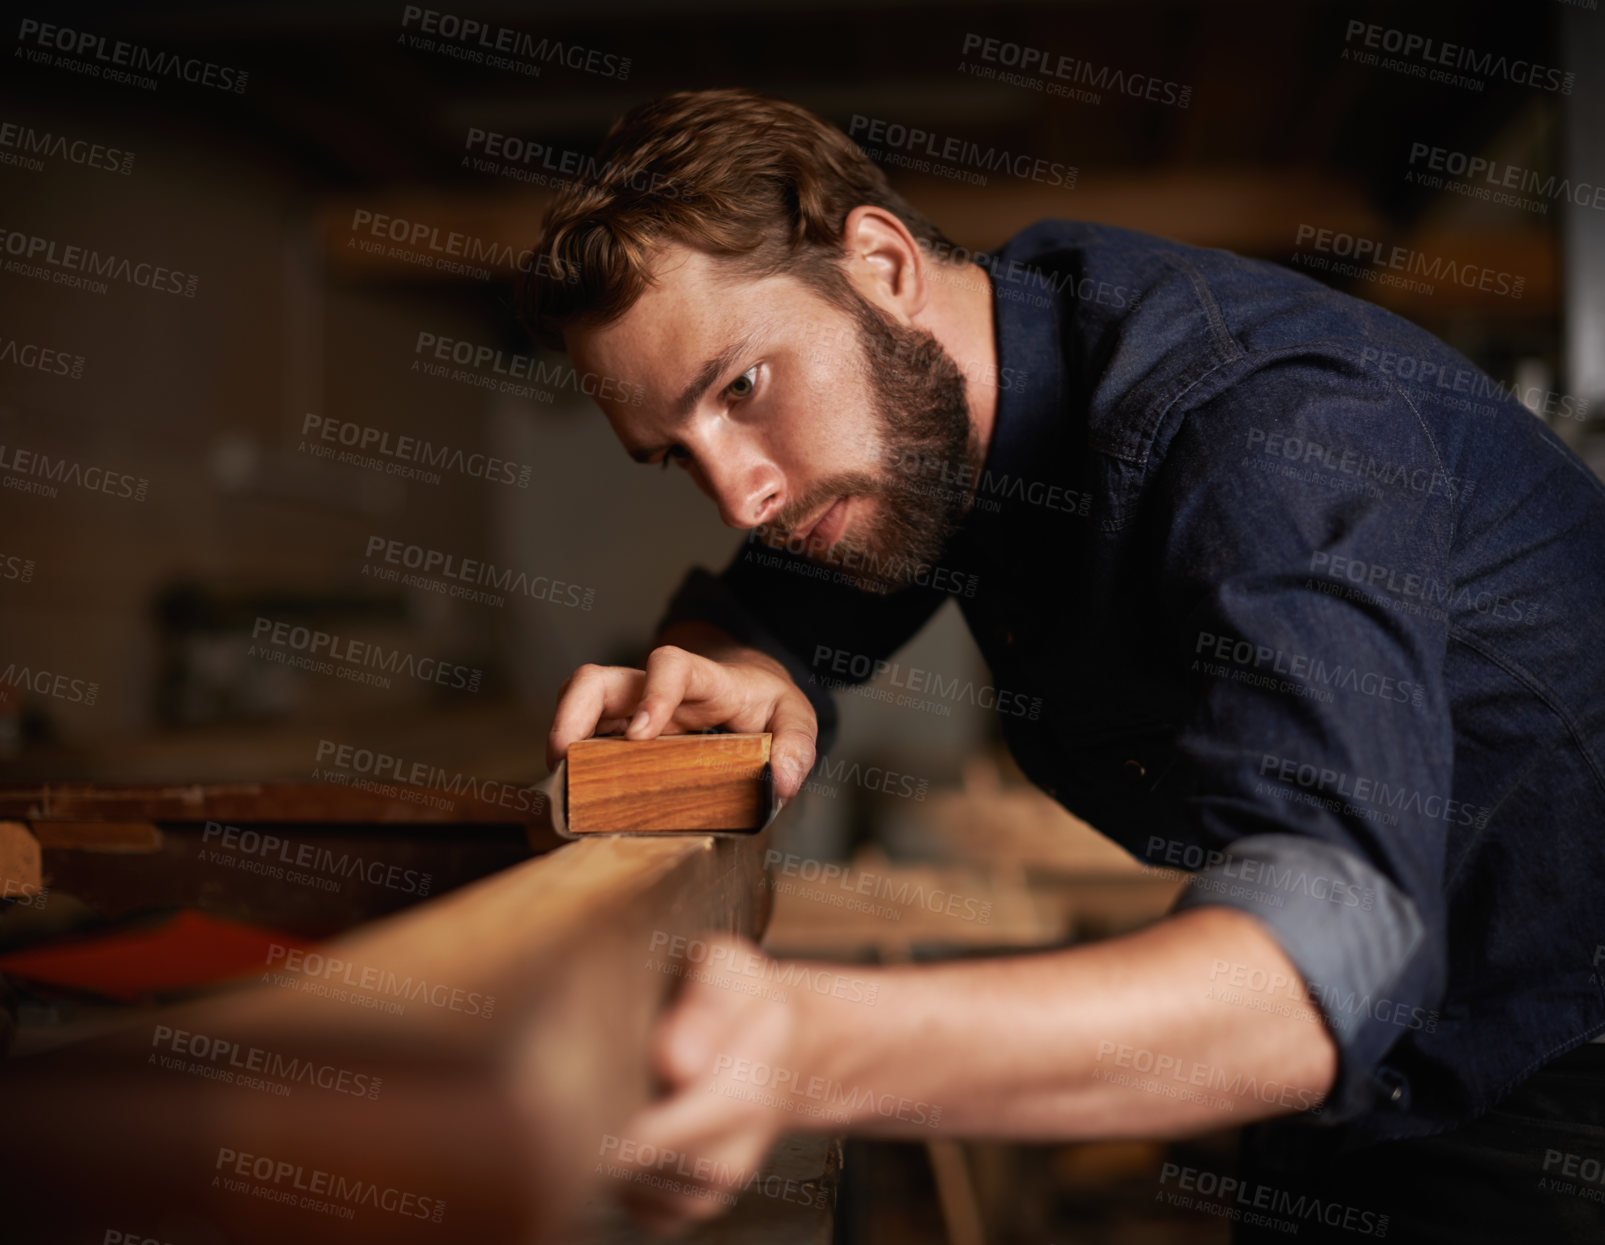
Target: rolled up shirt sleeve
[1316,760]
[806,618]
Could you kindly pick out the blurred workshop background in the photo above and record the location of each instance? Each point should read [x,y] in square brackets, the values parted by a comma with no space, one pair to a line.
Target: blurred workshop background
[272,321]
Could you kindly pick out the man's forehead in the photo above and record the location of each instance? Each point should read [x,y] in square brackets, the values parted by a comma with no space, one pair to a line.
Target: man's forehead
[696,308]
[690,298]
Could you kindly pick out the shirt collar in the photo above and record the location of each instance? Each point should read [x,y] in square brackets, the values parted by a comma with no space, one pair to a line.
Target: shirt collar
[1028,425]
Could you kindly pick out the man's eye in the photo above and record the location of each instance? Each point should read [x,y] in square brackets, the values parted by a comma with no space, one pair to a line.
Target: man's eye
[743,385]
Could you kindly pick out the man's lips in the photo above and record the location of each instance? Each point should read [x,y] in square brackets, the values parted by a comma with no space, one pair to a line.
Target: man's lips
[827,526]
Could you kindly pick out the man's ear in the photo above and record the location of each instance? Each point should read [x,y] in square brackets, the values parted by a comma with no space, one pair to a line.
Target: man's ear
[885,263]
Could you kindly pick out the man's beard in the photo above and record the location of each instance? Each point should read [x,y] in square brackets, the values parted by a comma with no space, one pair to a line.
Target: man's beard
[926,442]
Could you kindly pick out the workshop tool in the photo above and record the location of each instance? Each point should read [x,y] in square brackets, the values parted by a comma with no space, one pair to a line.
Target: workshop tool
[716,782]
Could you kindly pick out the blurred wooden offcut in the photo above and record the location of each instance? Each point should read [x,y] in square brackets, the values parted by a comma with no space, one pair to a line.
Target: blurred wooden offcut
[674,782]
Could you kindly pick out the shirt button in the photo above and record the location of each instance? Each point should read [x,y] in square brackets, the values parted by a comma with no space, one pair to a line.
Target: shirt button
[1134,770]
[1395,1087]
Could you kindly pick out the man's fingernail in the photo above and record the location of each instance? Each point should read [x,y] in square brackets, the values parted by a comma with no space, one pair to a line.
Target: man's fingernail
[639,720]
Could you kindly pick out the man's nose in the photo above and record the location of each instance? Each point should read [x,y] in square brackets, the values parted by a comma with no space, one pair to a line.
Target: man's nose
[746,486]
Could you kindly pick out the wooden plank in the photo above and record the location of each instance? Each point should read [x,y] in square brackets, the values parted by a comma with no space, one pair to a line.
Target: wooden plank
[874,906]
[268,802]
[21,870]
[98,836]
[526,1002]
[314,881]
[674,782]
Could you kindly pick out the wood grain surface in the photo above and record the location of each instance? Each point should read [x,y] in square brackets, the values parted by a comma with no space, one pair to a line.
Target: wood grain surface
[501,1036]
[673,782]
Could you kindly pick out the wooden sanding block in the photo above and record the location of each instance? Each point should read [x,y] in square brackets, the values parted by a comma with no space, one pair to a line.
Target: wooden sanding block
[712,782]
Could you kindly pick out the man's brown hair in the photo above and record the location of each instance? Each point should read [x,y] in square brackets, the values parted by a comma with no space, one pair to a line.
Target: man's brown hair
[738,175]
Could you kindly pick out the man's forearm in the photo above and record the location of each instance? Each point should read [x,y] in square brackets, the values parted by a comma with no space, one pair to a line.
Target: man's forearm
[1126,1038]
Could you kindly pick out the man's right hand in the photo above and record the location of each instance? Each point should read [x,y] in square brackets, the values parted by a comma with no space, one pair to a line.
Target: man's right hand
[683,691]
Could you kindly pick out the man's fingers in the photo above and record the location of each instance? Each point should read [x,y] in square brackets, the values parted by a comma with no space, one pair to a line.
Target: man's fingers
[795,730]
[700,1023]
[672,676]
[592,694]
[695,1136]
[682,691]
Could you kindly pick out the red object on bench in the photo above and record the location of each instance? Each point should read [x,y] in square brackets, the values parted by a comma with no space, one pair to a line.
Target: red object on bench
[186,951]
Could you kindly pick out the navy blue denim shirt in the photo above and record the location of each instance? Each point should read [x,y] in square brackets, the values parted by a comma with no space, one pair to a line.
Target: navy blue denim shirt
[1276,588]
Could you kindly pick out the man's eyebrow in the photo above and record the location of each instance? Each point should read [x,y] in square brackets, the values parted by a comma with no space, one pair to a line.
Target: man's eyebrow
[700,383]
[711,371]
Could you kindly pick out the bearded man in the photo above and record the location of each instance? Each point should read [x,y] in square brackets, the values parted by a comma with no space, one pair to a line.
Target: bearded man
[1273,586]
